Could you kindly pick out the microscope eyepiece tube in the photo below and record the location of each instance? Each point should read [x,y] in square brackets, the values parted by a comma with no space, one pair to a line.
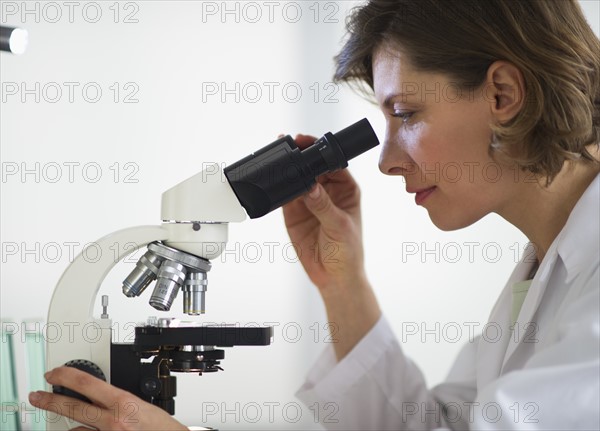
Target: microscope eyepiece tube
[170,278]
[280,172]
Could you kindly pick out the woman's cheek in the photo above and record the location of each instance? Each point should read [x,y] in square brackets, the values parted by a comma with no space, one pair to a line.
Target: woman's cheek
[425,148]
[412,137]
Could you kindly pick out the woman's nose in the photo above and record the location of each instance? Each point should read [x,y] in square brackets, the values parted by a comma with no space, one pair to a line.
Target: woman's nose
[393,159]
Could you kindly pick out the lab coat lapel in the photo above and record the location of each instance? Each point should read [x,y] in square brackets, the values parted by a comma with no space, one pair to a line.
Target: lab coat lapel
[496,335]
[526,321]
[572,245]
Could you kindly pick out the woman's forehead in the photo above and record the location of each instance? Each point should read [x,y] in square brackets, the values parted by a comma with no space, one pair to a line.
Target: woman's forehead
[389,58]
[392,70]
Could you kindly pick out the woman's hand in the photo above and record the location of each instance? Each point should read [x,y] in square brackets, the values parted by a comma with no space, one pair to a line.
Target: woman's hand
[325,225]
[112,408]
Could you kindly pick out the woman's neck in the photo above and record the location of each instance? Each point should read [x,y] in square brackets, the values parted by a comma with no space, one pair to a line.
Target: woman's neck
[541,212]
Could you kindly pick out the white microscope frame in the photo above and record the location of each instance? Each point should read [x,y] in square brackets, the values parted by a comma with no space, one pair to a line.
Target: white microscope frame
[205,199]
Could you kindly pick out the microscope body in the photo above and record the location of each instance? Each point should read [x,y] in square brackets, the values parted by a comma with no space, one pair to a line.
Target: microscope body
[195,215]
[81,336]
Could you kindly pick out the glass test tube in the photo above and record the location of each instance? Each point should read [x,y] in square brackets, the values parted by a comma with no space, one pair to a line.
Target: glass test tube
[36,366]
[9,404]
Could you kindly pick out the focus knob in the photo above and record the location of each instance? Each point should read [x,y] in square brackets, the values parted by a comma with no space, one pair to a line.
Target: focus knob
[83,365]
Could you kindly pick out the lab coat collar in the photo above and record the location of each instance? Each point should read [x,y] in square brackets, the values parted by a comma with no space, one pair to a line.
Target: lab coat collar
[581,233]
[579,236]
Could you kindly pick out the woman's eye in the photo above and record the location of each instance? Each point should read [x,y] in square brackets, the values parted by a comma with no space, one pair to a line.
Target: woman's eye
[405,116]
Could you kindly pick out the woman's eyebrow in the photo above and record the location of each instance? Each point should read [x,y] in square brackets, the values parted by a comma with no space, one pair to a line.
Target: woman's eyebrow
[391,98]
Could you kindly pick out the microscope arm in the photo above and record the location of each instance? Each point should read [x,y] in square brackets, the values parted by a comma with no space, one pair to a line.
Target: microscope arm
[72,331]
[71,308]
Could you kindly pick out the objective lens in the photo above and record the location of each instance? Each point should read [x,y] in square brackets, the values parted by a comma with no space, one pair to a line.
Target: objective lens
[146,270]
[170,278]
[193,293]
[280,172]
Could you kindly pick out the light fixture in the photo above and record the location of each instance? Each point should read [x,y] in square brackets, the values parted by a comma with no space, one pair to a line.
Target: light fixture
[13,39]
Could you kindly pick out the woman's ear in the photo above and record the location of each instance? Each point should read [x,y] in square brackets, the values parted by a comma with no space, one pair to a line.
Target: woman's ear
[506,90]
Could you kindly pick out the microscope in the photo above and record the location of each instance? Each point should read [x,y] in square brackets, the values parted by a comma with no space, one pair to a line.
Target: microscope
[195,216]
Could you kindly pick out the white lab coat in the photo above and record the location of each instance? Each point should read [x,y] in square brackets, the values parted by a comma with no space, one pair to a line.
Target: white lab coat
[544,376]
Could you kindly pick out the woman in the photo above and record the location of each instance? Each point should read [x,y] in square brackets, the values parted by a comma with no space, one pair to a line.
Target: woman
[517,89]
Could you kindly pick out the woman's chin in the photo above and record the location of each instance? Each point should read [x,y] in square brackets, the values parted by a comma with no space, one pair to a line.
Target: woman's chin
[447,223]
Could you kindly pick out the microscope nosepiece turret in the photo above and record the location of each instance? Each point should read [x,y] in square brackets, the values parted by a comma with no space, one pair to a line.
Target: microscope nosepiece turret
[173,270]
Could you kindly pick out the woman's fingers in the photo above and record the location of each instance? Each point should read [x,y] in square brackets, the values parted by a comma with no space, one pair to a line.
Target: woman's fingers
[113,408]
[304,141]
[319,203]
[65,406]
[98,391]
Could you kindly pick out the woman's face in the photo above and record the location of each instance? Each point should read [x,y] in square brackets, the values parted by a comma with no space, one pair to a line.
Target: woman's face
[438,139]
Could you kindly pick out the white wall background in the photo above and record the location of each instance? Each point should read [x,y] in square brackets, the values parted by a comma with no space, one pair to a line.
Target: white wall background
[164,56]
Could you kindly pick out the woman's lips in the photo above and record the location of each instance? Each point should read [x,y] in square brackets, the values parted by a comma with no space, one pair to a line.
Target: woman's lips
[422,194]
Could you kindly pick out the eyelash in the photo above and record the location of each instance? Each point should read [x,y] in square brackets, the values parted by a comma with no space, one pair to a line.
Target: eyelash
[405,116]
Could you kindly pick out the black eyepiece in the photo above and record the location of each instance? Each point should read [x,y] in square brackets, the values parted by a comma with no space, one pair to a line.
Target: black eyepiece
[280,172]
[356,139]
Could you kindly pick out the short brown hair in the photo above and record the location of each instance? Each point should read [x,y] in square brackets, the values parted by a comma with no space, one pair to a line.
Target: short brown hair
[548,40]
